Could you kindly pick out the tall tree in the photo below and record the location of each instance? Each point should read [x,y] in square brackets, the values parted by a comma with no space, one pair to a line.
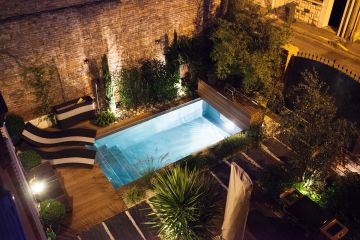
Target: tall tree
[313,129]
[247,44]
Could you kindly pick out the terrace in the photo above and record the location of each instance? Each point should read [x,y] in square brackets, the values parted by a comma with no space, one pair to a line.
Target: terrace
[112,141]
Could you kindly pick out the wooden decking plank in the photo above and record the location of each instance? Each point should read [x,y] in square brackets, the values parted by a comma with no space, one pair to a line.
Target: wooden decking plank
[222,171]
[95,233]
[122,228]
[140,214]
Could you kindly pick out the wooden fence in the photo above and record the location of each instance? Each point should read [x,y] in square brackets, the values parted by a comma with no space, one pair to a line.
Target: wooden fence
[242,112]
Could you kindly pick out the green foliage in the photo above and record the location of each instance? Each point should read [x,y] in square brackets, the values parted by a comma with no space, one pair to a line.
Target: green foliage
[254,134]
[199,161]
[248,45]
[343,198]
[186,203]
[231,145]
[29,159]
[153,82]
[40,78]
[133,194]
[52,212]
[308,189]
[107,80]
[195,53]
[172,57]
[274,179]
[314,131]
[14,125]
[148,166]
[104,119]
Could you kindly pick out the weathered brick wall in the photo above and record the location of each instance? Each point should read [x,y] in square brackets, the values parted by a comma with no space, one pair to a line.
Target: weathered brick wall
[11,8]
[126,31]
[308,11]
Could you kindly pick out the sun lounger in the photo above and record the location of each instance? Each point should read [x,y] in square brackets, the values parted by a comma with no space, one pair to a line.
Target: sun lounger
[69,156]
[44,138]
[74,111]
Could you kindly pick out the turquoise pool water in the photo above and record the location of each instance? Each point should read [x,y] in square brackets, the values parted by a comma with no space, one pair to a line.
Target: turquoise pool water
[126,155]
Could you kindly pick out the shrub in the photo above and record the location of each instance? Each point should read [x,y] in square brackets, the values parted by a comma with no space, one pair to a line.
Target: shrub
[343,197]
[186,203]
[198,161]
[254,134]
[15,126]
[230,145]
[52,212]
[274,179]
[29,159]
[133,195]
[108,90]
[153,82]
[104,119]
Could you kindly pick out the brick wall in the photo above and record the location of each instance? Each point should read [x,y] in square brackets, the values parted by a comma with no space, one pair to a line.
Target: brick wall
[125,30]
[11,8]
[308,11]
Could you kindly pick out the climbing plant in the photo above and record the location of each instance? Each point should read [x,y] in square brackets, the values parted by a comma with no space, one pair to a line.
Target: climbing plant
[39,78]
[108,90]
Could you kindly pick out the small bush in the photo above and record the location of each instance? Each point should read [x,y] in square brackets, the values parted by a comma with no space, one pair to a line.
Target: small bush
[274,179]
[104,119]
[52,212]
[153,82]
[133,195]
[343,197]
[15,125]
[255,134]
[230,145]
[29,159]
[186,203]
[199,161]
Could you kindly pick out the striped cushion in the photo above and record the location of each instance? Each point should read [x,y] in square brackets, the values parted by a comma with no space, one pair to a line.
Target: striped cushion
[43,138]
[71,113]
[67,156]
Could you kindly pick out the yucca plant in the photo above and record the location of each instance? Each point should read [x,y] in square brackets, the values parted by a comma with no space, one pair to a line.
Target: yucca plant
[186,203]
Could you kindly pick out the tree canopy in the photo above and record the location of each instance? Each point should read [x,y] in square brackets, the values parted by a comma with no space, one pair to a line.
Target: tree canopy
[247,44]
[313,129]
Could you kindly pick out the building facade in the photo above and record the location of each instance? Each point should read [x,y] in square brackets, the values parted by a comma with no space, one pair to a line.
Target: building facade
[342,15]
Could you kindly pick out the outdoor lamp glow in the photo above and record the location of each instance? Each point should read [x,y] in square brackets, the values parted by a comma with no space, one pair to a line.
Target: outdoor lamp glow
[37,186]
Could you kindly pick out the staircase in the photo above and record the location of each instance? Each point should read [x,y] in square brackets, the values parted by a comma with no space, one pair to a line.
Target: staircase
[116,166]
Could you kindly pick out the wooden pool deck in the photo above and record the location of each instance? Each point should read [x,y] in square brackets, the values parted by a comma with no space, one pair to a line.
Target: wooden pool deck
[93,197]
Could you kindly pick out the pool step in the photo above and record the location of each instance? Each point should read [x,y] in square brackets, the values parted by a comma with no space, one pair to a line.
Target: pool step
[108,164]
[117,163]
[131,169]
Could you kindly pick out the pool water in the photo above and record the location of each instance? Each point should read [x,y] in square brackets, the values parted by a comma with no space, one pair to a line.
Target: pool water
[127,155]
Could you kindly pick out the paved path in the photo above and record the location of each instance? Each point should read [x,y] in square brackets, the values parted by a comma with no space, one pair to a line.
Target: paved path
[311,39]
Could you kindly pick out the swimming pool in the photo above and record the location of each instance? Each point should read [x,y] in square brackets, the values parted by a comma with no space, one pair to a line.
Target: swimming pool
[128,154]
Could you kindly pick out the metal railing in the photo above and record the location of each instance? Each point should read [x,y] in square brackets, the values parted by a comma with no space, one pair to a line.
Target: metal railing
[18,171]
[331,63]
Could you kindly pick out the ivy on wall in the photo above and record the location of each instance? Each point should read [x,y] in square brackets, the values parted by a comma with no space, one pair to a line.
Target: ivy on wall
[39,78]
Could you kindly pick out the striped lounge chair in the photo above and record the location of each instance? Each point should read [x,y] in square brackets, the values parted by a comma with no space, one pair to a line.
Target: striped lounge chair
[69,156]
[74,111]
[42,138]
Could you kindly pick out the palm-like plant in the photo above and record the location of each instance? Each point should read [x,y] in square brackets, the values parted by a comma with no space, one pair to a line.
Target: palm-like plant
[186,203]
